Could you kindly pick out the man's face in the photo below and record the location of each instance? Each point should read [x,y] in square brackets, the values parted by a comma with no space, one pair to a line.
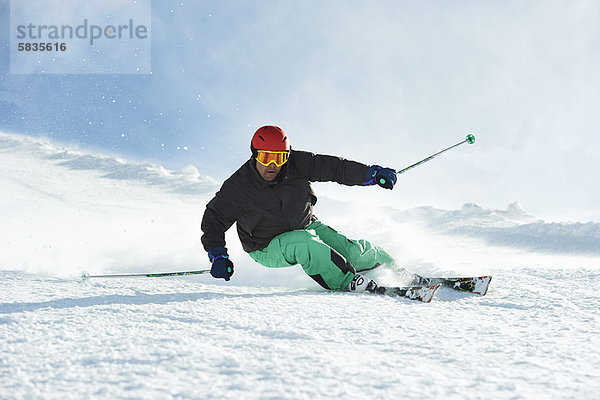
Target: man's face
[268,173]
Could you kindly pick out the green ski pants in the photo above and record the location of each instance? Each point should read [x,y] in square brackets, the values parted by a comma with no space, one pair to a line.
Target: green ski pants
[327,256]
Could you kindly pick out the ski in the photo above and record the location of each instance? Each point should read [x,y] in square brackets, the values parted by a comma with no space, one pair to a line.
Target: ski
[420,293]
[472,284]
[476,284]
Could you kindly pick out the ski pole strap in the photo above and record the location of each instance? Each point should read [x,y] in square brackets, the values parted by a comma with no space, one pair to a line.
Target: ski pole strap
[217,252]
[218,257]
[367,183]
[371,173]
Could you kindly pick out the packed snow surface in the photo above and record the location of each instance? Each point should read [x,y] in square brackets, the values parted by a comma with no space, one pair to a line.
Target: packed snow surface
[275,333]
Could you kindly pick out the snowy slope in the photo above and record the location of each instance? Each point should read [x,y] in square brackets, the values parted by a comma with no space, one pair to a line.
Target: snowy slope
[275,333]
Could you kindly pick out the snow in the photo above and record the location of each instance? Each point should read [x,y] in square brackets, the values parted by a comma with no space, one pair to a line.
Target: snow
[275,333]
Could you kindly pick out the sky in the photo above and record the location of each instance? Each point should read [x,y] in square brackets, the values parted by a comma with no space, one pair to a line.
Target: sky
[381,82]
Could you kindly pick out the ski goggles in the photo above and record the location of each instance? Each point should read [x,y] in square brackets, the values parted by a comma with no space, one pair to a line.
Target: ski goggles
[268,157]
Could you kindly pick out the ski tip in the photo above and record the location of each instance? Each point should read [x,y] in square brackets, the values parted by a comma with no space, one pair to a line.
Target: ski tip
[431,293]
[424,293]
[482,285]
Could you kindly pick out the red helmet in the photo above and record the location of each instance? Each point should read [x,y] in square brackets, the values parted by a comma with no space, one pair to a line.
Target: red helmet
[270,138]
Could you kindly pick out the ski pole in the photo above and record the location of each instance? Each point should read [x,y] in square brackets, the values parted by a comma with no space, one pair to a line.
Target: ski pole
[86,276]
[469,139]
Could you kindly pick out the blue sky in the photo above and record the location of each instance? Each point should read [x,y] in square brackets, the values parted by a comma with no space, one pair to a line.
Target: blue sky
[385,82]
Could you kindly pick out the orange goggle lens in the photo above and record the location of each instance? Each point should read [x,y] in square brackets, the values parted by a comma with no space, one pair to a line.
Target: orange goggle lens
[268,157]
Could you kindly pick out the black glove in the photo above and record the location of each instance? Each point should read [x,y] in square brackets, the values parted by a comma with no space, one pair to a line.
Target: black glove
[222,267]
[384,177]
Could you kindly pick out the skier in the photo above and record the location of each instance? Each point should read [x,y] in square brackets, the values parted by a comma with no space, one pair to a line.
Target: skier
[271,199]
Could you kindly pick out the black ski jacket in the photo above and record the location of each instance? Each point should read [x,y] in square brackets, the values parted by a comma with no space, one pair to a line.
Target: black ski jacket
[264,209]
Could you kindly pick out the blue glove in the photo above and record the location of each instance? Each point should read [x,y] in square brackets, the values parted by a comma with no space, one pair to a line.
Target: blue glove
[384,177]
[222,267]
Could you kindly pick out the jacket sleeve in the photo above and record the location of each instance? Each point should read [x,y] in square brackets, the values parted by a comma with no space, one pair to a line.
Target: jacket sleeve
[221,212]
[324,168]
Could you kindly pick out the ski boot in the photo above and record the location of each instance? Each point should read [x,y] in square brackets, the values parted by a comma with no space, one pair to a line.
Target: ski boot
[360,284]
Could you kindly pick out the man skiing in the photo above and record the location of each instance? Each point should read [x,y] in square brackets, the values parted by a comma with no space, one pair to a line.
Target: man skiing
[271,199]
